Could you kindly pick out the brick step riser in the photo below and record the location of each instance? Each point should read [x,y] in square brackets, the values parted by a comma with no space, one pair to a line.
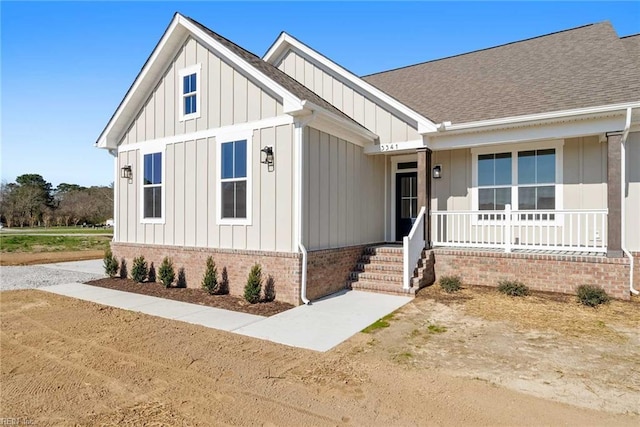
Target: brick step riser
[378,267]
[380,277]
[372,259]
[383,249]
[375,286]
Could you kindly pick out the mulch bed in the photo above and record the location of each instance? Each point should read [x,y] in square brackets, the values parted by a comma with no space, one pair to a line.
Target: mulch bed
[193,296]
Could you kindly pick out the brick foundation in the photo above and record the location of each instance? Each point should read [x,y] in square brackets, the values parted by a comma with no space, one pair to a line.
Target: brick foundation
[284,267]
[552,273]
[328,270]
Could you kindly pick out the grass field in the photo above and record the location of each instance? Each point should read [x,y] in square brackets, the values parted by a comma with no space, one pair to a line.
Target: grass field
[56,230]
[10,243]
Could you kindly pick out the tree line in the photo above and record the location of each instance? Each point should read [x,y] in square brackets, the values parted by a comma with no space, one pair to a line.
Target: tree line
[32,201]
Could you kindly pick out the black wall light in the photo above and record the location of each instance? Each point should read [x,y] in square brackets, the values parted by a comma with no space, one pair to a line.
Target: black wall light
[437,172]
[267,159]
[126,172]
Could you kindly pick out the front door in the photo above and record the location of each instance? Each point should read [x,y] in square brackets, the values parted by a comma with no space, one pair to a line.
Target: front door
[406,202]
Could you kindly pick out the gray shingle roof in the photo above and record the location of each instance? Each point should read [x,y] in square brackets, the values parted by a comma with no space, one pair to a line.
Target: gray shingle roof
[582,67]
[632,44]
[283,79]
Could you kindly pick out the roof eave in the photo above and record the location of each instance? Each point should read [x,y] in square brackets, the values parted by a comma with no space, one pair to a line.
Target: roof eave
[286,41]
[533,119]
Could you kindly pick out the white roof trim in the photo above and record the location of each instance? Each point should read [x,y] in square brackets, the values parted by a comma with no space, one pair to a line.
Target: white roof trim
[284,41]
[531,119]
[177,32]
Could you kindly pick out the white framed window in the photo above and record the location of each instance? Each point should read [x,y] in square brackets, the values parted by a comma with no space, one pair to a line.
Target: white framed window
[152,196]
[526,176]
[234,179]
[190,92]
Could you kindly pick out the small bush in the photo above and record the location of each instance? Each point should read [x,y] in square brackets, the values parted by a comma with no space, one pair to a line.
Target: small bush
[592,296]
[450,284]
[182,279]
[139,270]
[123,273]
[224,282]
[513,288]
[210,279]
[166,273]
[110,263]
[254,285]
[151,277]
[269,289]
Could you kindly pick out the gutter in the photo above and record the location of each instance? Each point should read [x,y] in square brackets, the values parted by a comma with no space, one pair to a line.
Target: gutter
[448,126]
[623,180]
[299,128]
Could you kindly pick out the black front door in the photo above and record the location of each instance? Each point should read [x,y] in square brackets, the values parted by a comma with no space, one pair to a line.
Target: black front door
[406,202]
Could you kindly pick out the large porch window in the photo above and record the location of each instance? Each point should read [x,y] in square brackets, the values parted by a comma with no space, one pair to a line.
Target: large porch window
[524,179]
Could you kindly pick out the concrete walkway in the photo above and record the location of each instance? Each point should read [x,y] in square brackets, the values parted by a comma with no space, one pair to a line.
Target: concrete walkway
[93,266]
[320,326]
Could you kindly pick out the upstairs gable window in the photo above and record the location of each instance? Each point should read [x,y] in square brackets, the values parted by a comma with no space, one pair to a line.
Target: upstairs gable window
[190,92]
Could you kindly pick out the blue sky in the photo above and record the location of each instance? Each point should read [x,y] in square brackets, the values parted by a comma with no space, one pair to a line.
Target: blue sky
[66,66]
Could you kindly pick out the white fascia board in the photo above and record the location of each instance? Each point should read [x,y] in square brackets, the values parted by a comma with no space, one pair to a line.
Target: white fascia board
[139,89]
[290,102]
[532,119]
[540,131]
[284,41]
[329,122]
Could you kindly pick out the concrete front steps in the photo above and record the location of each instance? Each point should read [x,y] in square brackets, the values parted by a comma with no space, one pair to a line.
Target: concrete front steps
[379,269]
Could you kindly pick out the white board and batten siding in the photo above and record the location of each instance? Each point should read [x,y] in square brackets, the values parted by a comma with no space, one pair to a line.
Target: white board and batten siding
[228,98]
[632,192]
[584,176]
[354,104]
[343,193]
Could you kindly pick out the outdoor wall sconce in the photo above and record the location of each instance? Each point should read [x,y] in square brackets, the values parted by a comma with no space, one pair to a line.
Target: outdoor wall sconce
[125,172]
[437,172]
[268,157]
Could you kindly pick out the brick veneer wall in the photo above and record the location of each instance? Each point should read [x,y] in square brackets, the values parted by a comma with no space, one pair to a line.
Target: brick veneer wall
[636,270]
[553,273]
[328,270]
[284,267]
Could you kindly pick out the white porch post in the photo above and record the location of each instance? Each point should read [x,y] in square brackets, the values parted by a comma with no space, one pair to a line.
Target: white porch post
[507,230]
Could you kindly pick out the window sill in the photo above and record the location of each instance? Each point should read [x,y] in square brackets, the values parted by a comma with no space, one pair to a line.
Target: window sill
[233,221]
[189,117]
[152,221]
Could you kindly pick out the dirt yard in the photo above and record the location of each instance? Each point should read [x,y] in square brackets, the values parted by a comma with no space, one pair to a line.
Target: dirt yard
[32,258]
[441,361]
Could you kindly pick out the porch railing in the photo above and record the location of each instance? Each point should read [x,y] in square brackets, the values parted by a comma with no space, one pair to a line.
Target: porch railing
[552,230]
[412,247]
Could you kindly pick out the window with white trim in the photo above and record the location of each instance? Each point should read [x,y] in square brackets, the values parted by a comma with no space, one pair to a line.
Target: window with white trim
[190,92]
[525,178]
[152,186]
[233,180]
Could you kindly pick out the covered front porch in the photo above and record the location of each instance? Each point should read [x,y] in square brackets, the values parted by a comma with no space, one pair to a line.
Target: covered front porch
[569,211]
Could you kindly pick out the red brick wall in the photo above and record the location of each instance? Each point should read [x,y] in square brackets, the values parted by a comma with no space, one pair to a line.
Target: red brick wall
[554,273]
[284,267]
[328,270]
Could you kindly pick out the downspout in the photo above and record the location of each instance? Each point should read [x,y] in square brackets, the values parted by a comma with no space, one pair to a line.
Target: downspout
[623,164]
[299,129]
[116,193]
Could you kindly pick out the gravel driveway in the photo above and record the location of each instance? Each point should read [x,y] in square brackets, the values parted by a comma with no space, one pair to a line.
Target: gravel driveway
[36,276]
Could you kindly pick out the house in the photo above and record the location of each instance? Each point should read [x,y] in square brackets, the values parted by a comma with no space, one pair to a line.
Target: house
[515,162]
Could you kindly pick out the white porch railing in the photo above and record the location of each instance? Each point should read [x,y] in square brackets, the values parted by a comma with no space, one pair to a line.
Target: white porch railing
[412,247]
[553,230]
